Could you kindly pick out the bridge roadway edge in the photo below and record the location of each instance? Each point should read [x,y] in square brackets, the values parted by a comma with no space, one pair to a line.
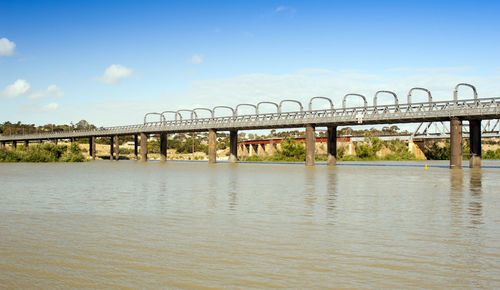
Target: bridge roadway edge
[454,111]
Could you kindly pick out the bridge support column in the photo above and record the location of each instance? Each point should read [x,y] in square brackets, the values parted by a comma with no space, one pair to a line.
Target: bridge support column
[475,143]
[332,145]
[117,148]
[163,147]
[310,145]
[92,147]
[26,144]
[212,146]
[233,146]
[111,148]
[14,145]
[55,141]
[136,145]
[2,145]
[144,147]
[73,139]
[455,143]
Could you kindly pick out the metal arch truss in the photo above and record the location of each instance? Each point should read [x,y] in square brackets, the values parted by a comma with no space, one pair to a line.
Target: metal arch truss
[268,103]
[429,96]
[323,98]
[245,105]
[354,95]
[486,109]
[290,101]
[176,113]
[455,91]
[223,107]
[396,102]
[153,113]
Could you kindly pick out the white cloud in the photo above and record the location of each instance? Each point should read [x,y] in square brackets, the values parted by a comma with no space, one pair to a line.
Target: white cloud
[6,46]
[115,73]
[51,91]
[19,87]
[49,107]
[196,59]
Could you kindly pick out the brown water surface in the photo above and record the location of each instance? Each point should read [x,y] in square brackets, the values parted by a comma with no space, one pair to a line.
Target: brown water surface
[126,224]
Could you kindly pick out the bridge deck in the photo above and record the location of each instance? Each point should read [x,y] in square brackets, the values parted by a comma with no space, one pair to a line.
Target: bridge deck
[483,108]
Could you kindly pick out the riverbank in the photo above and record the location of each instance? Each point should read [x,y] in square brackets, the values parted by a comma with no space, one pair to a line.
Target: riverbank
[47,152]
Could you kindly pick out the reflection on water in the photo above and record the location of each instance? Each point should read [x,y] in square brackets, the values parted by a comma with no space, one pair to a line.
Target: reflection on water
[331,194]
[475,205]
[191,225]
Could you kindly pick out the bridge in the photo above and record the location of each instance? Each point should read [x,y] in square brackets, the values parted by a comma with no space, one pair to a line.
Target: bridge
[455,111]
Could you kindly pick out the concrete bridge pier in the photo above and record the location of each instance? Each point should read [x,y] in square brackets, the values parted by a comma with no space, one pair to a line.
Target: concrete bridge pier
[2,145]
[212,146]
[111,148]
[26,144]
[117,148]
[14,145]
[475,143]
[144,147]
[310,144]
[233,146]
[92,147]
[55,141]
[163,147]
[332,145]
[136,145]
[455,143]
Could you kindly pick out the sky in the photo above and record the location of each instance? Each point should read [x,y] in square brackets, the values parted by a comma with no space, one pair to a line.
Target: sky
[110,62]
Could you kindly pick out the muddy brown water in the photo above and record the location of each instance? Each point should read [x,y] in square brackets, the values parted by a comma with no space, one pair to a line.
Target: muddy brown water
[126,224]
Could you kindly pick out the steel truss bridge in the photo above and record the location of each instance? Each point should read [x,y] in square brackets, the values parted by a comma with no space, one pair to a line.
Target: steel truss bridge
[430,111]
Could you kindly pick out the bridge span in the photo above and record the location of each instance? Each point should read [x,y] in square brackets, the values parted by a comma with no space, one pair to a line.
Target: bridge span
[455,111]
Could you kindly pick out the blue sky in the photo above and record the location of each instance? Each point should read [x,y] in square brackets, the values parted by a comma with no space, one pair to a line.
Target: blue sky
[109,62]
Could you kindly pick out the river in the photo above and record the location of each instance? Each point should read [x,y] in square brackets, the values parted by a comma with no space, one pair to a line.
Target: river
[108,224]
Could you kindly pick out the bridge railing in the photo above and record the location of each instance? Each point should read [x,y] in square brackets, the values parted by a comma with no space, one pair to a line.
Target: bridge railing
[341,113]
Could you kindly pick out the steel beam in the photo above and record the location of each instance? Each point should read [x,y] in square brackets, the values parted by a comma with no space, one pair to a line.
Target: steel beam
[332,145]
[310,145]
[212,146]
[233,146]
[475,143]
[144,147]
[455,143]
[163,147]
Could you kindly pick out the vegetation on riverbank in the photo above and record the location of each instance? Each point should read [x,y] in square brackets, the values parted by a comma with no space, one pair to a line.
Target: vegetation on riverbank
[47,152]
[292,151]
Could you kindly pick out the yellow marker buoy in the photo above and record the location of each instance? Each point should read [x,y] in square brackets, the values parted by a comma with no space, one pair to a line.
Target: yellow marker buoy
[425,166]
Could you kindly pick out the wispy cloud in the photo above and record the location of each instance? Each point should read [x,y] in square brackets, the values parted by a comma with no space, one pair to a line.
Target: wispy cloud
[196,59]
[38,108]
[6,47]
[51,91]
[19,87]
[433,69]
[115,73]
[283,9]
[314,71]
